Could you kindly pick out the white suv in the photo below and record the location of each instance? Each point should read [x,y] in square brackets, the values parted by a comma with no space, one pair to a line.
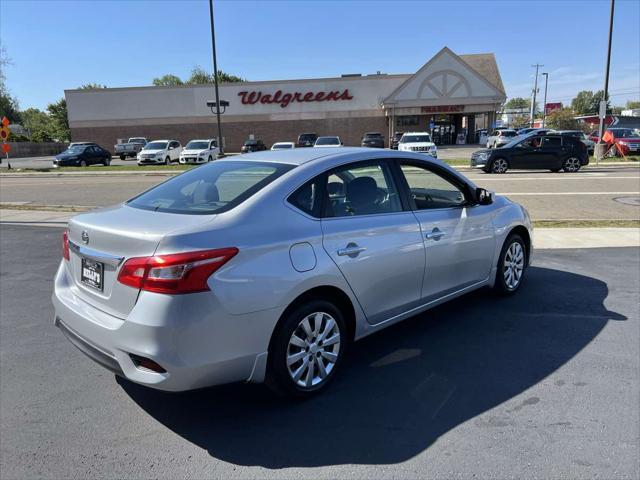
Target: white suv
[160,151]
[200,151]
[418,142]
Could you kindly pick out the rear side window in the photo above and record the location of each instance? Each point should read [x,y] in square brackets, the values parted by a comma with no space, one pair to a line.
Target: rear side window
[213,188]
[551,142]
[308,197]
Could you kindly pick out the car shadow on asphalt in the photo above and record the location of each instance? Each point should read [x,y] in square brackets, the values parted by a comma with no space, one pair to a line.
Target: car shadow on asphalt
[401,389]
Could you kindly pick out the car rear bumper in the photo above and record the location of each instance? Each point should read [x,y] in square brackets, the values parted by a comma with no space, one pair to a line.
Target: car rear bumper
[195,347]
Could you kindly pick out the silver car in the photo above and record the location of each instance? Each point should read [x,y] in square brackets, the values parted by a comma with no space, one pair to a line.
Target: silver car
[265,268]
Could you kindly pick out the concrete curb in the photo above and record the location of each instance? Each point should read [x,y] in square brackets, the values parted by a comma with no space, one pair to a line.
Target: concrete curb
[544,238]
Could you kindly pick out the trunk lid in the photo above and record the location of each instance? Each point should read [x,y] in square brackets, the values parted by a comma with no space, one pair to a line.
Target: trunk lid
[102,240]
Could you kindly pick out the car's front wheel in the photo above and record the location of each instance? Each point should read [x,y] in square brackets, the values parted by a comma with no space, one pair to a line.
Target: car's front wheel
[307,349]
[511,265]
[571,165]
[167,160]
[83,163]
[499,165]
[209,159]
[106,162]
[123,157]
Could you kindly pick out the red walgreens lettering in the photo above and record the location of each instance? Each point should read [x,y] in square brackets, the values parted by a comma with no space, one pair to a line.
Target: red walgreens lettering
[284,100]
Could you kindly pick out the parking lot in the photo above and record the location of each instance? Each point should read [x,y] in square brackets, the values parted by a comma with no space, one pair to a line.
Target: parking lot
[540,385]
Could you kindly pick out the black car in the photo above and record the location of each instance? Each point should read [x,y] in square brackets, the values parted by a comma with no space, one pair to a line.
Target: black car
[82,156]
[395,140]
[545,152]
[253,146]
[373,140]
[307,140]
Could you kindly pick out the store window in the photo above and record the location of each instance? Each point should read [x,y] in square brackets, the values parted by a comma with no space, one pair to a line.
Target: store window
[408,121]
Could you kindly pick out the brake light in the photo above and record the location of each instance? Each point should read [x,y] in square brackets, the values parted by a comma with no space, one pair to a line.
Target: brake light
[176,273]
[65,244]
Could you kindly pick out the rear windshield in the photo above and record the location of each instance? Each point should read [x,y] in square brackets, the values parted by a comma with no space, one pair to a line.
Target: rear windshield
[212,188]
[308,136]
[508,133]
[372,135]
[251,142]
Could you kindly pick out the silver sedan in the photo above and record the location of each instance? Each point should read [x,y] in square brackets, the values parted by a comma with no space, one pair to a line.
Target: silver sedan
[265,268]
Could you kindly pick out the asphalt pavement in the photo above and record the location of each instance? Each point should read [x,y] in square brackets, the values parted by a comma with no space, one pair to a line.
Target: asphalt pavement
[605,193]
[544,384]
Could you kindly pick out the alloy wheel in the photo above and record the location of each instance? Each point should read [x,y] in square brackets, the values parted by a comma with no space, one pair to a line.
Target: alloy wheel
[313,349]
[499,165]
[572,164]
[513,265]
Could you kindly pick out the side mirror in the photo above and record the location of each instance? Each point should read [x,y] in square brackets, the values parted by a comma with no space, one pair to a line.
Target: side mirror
[484,197]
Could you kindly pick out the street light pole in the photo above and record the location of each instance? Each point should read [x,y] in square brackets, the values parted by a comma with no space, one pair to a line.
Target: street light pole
[605,98]
[215,79]
[535,91]
[544,105]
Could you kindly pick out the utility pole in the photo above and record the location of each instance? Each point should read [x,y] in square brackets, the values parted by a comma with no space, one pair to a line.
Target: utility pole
[215,80]
[544,105]
[603,108]
[535,91]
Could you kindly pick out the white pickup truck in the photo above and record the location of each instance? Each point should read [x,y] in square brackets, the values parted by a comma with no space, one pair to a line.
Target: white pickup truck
[131,148]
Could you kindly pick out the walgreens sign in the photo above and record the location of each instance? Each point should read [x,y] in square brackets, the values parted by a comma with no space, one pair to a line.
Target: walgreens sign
[284,99]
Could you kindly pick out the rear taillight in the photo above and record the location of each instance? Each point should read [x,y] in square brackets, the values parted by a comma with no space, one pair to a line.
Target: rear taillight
[65,244]
[176,273]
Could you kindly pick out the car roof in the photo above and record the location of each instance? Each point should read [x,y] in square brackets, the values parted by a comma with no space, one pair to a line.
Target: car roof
[416,133]
[162,140]
[201,140]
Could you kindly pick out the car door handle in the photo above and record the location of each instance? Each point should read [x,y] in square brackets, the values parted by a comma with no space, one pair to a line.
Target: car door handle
[435,234]
[351,250]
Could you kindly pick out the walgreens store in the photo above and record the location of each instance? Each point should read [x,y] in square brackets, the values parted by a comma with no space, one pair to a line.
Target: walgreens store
[451,96]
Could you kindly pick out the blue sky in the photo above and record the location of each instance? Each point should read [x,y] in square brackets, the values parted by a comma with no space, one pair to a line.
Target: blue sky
[56,45]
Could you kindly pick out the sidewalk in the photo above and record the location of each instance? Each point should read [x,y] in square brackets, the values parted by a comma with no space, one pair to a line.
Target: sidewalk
[544,238]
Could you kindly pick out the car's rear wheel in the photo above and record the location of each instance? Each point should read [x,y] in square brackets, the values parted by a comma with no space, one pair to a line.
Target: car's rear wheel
[123,157]
[307,349]
[511,265]
[571,165]
[83,163]
[167,160]
[499,165]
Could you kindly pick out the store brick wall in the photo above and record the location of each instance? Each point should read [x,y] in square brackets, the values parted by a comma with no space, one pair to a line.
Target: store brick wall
[349,129]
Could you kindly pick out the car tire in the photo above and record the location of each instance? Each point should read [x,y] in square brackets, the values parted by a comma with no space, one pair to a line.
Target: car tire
[106,162]
[299,365]
[499,165]
[167,161]
[571,165]
[555,170]
[83,163]
[123,157]
[209,159]
[512,264]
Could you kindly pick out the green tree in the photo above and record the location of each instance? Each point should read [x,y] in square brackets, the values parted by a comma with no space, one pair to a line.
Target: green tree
[518,102]
[633,104]
[562,119]
[92,86]
[200,76]
[519,121]
[167,81]
[59,120]
[586,102]
[38,125]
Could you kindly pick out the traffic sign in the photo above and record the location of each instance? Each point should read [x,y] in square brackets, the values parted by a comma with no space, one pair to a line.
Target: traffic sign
[5,121]
[4,133]
[6,148]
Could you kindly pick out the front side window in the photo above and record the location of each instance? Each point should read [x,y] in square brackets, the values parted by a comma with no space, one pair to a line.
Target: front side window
[430,190]
[213,188]
[361,189]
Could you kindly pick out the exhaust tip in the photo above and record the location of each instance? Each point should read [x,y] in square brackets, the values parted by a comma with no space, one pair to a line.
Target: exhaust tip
[144,363]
